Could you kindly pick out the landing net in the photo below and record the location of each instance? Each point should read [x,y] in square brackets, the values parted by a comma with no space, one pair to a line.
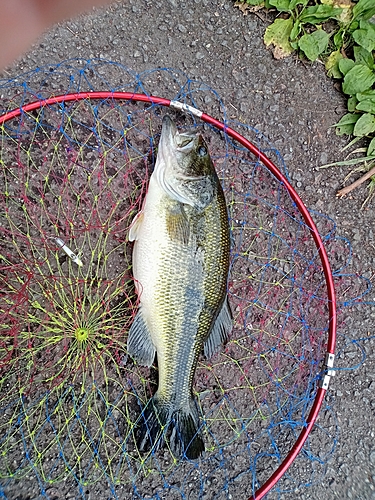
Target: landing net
[74,170]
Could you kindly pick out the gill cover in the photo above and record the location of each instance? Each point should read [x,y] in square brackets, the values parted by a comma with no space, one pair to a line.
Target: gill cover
[183,167]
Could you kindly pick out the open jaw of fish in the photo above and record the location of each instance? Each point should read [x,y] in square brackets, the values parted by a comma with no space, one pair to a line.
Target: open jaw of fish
[180,266]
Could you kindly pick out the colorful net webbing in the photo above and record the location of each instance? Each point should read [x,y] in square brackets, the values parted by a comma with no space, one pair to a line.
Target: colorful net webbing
[73,173]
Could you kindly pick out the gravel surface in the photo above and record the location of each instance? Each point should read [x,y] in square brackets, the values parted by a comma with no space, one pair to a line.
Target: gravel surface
[294,105]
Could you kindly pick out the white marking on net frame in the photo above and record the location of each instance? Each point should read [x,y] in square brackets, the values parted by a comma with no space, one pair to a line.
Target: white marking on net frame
[74,257]
[186,107]
[329,364]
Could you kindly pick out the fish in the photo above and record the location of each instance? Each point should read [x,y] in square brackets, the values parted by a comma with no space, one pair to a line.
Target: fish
[180,265]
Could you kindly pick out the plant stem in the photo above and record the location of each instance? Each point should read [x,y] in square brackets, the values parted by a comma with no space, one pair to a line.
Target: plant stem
[355,184]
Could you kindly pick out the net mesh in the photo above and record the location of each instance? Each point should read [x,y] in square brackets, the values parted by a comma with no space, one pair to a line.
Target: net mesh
[72,177]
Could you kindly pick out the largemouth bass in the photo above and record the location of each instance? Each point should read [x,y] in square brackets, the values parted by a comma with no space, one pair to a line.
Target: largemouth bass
[180,267]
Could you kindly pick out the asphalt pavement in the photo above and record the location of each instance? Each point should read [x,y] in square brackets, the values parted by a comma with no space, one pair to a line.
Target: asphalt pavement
[294,105]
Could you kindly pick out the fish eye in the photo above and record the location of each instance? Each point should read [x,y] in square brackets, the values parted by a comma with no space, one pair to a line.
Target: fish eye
[202,151]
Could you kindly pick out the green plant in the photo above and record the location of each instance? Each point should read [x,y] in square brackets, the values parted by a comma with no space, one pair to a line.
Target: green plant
[341,34]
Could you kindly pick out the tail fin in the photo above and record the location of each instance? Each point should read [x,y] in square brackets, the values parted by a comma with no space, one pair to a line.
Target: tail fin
[160,422]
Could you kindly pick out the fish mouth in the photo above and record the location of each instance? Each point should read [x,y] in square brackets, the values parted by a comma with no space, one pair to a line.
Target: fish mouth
[173,140]
[170,168]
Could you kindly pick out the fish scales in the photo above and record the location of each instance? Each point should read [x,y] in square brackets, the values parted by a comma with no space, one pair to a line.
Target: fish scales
[180,265]
[191,307]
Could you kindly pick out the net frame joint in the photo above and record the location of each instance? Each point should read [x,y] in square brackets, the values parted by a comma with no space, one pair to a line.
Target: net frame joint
[324,383]
[329,363]
[186,107]
[329,360]
[329,372]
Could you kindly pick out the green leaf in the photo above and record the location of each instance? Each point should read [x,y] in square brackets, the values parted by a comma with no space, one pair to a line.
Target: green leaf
[294,44]
[314,44]
[281,5]
[368,94]
[345,65]
[338,39]
[363,56]
[365,125]
[368,106]
[294,3]
[352,103]
[332,64]
[364,9]
[346,6]
[353,161]
[358,79]
[295,30]
[347,119]
[346,124]
[319,13]
[278,34]
[364,24]
[354,25]
[365,37]
[371,148]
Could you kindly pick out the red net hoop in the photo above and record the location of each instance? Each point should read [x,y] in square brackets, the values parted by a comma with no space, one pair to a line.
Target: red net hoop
[74,171]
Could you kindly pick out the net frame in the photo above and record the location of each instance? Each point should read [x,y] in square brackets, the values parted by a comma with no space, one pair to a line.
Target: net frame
[328,369]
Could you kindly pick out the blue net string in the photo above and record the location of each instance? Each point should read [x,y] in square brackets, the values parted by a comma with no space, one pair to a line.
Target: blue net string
[76,173]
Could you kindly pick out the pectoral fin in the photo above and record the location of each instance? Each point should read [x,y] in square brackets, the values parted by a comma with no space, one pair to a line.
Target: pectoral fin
[178,227]
[135,225]
[220,330]
[140,345]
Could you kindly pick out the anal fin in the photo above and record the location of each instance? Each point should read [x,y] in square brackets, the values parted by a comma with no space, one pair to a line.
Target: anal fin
[220,330]
[140,345]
